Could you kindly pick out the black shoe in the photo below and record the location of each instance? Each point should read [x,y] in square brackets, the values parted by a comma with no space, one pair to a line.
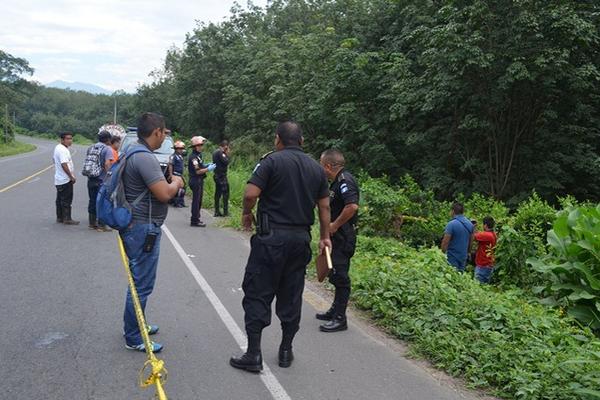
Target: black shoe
[335,325]
[248,362]
[327,315]
[285,358]
[198,224]
[217,214]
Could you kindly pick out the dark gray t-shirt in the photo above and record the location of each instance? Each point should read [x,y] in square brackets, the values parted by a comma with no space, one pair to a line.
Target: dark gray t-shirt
[141,171]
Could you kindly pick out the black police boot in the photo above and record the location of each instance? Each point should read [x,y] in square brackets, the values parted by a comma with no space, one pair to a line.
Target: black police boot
[286,355]
[327,315]
[251,360]
[225,209]
[338,323]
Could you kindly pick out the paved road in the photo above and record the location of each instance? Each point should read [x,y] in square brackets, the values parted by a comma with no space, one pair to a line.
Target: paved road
[62,291]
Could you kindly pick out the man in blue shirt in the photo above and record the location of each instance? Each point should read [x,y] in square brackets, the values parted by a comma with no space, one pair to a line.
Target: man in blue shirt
[457,238]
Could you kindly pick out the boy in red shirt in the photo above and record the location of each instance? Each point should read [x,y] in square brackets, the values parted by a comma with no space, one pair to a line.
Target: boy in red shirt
[484,258]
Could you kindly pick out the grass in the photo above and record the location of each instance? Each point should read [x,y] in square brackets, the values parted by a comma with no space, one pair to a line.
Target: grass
[15,147]
[77,138]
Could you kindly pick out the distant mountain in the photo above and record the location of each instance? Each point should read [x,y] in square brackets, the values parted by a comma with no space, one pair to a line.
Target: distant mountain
[86,87]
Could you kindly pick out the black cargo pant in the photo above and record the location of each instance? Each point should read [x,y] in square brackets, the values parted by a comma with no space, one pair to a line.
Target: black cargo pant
[197,186]
[221,190]
[276,268]
[344,244]
[64,199]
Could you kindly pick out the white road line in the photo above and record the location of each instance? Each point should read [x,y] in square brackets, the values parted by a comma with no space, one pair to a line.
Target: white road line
[270,381]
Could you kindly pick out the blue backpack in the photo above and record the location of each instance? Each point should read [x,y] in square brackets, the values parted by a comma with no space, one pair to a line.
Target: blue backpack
[112,207]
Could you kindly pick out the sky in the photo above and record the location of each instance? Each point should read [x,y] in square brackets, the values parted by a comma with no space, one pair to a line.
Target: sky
[114,44]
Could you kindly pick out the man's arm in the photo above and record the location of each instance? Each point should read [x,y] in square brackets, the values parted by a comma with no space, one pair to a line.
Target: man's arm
[347,213]
[170,170]
[201,171]
[164,191]
[65,167]
[446,242]
[324,222]
[251,194]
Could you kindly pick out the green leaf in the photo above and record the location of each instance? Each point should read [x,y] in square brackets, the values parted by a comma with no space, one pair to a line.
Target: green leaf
[581,294]
[561,227]
[589,392]
[556,242]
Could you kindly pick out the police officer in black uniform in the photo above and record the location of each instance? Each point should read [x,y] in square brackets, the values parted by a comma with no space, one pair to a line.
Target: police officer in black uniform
[288,183]
[221,160]
[344,195]
[175,168]
[197,170]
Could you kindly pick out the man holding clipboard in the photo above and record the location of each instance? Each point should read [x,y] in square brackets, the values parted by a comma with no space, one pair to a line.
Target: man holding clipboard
[343,198]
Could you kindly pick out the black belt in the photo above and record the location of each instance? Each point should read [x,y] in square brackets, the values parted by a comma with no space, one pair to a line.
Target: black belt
[290,227]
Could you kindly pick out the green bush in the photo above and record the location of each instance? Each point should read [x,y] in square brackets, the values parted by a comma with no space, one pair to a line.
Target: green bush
[573,264]
[534,218]
[522,350]
[403,211]
[520,237]
[512,251]
[478,207]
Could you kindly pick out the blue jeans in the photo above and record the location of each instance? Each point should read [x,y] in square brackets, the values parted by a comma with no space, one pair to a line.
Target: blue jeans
[460,266]
[143,268]
[483,274]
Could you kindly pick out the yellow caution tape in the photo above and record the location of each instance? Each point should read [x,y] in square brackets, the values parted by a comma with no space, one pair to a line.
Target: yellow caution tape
[158,373]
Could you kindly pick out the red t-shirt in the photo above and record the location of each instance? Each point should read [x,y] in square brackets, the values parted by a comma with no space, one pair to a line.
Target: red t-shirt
[485,249]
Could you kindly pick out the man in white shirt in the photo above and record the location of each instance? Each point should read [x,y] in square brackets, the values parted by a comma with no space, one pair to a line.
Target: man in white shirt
[64,178]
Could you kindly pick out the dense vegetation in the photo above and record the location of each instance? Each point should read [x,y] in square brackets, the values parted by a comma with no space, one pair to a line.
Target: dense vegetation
[465,96]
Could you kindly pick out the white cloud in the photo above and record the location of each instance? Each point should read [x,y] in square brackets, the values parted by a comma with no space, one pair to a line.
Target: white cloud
[111,43]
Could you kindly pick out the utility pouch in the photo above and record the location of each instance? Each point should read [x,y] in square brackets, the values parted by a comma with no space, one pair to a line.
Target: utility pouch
[149,241]
[263,227]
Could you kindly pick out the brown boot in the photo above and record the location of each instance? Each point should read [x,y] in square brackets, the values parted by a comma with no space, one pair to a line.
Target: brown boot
[103,228]
[92,221]
[67,220]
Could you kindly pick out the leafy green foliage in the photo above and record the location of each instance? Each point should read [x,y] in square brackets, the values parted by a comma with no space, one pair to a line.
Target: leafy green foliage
[468,97]
[573,264]
[523,350]
[534,218]
[512,251]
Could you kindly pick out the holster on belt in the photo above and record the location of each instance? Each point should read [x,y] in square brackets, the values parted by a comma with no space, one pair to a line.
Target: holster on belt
[262,226]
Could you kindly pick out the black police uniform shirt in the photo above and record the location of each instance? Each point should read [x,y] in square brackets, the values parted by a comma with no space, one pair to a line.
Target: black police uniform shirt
[222,161]
[343,191]
[291,183]
[195,161]
[177,162]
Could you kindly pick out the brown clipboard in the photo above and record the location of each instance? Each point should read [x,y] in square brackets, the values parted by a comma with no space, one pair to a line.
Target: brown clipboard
[324,265]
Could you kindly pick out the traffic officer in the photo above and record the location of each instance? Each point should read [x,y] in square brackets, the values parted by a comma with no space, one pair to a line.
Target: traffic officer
[344,197]
[197,171]
[221,160]
[176,169]
[288,183]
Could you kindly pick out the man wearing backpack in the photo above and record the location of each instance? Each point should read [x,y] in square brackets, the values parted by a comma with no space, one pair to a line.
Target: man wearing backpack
[98,159]
[145,186]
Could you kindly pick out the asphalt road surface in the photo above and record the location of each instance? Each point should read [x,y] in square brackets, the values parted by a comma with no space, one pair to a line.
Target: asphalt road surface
[62,291]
